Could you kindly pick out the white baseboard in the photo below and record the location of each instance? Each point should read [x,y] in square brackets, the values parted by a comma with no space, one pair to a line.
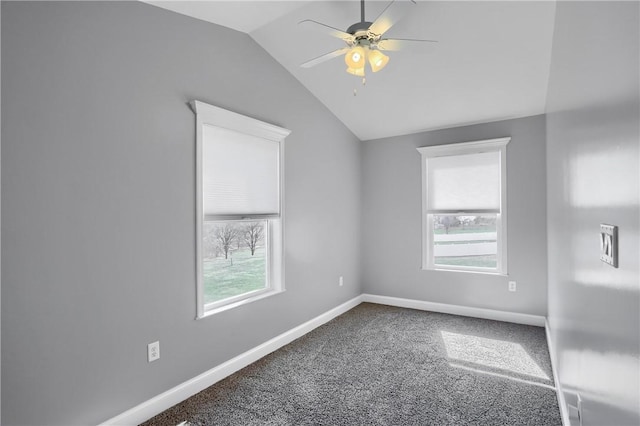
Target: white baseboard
[456,310]
[564,413]
[158,404]
[165,400]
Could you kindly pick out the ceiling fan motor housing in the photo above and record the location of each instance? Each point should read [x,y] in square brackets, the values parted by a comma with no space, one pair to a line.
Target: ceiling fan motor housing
[361,34]
[359,29]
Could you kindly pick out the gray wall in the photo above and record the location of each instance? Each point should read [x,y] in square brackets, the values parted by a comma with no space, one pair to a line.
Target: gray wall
[592,153]
[98,204]
[391,248]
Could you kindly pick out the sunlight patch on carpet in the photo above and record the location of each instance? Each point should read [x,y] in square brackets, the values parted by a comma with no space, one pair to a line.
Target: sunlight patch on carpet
[493,353]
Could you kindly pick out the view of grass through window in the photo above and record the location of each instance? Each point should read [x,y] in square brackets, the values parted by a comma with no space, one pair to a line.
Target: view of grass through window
[465,240]
[235,260]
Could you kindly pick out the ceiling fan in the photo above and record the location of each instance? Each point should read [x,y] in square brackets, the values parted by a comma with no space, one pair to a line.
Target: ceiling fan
[365,40]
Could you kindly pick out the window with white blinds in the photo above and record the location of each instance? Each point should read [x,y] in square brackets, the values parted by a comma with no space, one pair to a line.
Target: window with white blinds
[464,206]
[464,183]
[239,217]
[240,173]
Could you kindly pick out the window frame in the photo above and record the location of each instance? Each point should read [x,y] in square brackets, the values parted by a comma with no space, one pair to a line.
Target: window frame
[209,115]
[474,147]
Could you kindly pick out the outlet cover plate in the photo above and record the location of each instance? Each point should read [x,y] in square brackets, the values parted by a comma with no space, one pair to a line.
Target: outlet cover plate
[153,351]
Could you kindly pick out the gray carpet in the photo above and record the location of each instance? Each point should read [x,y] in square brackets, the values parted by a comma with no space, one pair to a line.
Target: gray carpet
[381,365]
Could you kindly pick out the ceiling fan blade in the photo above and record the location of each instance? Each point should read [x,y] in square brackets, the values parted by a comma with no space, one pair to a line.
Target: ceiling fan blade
[392,44]
[326,29]
[390,15]
[325,57]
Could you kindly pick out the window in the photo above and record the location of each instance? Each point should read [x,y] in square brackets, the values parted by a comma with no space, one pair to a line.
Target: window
[464,206]
[239,220]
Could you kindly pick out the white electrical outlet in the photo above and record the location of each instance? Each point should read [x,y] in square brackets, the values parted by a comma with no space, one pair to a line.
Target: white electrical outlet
[512,286]
[153,351]
[340,281]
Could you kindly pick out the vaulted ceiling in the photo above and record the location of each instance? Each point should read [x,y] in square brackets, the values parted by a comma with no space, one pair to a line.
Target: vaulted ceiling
[491,61]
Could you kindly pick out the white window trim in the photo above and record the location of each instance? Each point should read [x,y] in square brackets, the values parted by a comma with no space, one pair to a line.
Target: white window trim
[207,114]
[499,144]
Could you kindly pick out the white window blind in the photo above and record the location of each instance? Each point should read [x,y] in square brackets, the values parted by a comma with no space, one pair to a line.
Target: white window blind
[464,183]
[240,173]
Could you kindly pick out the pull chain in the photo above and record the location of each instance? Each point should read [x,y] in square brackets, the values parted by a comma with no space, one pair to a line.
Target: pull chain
[355,89]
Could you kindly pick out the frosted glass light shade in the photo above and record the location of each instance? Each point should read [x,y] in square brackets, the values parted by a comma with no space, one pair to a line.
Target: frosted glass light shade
[355,58]
[240,173]
[356,71]
[377,60]
[464,183]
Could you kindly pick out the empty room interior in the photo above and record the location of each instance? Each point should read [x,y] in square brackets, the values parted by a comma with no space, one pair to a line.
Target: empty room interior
[320,212]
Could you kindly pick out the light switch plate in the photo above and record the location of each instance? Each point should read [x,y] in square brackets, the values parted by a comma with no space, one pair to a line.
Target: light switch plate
[609,244]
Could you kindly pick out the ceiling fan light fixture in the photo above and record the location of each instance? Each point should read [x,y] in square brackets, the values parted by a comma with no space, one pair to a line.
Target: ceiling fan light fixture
[377,60]
[364,39]
[355,58]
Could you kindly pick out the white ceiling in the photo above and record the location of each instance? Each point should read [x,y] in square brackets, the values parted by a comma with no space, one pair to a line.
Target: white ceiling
[491,61]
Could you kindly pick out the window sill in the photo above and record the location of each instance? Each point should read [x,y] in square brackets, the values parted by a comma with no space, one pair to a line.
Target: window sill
[467,271]
[223,308]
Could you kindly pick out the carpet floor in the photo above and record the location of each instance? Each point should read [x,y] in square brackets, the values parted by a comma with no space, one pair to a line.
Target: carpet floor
[381,365]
